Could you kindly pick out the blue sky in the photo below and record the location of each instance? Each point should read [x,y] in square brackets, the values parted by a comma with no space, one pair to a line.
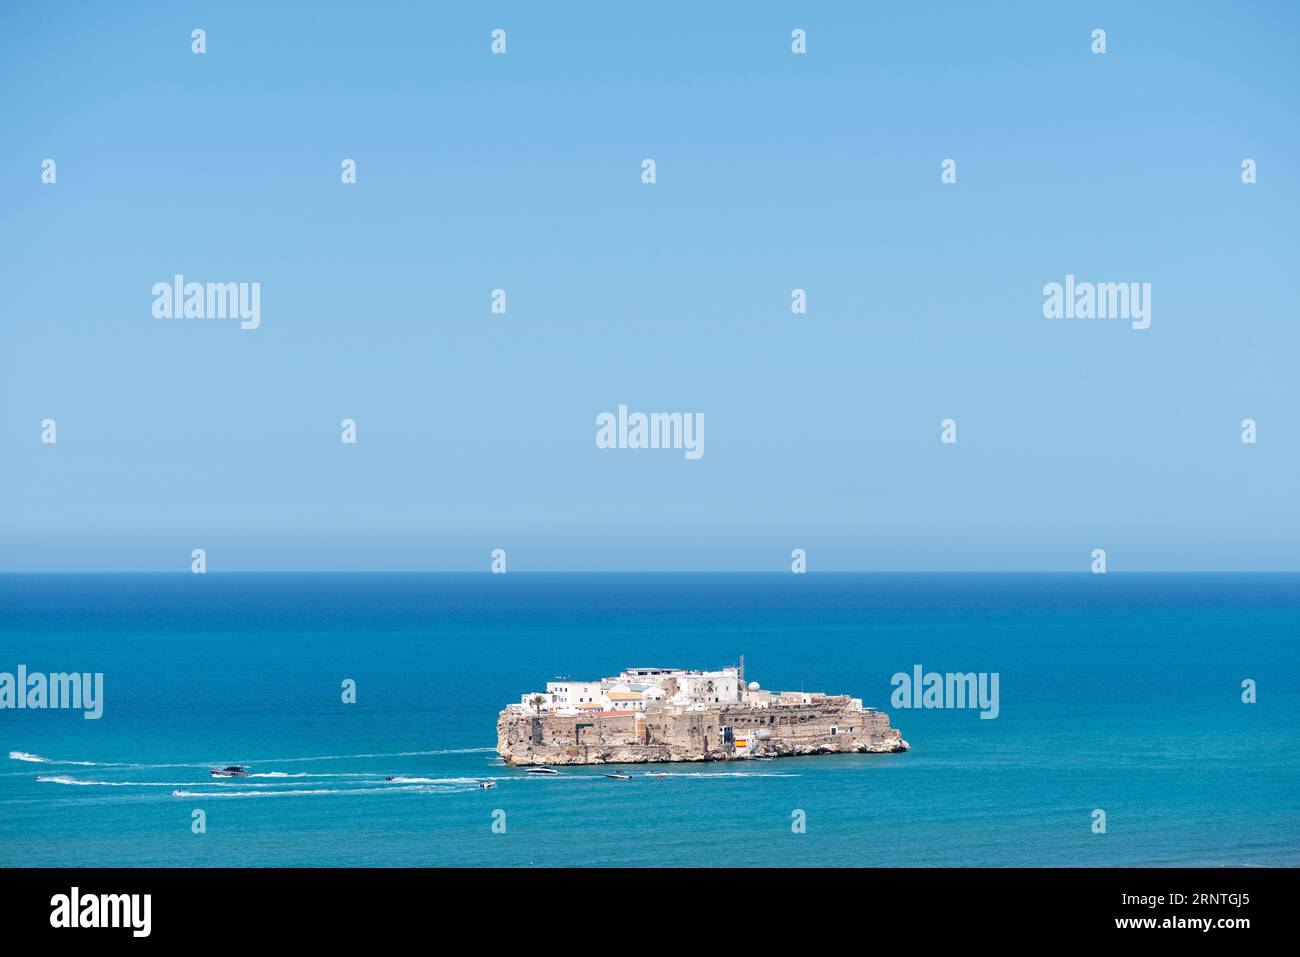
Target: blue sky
[775,171]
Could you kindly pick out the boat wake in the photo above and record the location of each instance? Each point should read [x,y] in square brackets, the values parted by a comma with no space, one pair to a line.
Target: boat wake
[316,774]
[41,759]
[303,792]
[386,754]
[236,794]
[37,759]
[279,783]
[78,782]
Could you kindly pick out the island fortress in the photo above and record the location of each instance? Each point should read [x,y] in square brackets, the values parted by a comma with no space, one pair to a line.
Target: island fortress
[667,714]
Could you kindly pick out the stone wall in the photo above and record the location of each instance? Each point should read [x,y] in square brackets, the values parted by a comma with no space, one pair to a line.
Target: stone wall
[828,725]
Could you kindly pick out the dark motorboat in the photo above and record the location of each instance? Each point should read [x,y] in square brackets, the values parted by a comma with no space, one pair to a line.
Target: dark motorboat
[230,771]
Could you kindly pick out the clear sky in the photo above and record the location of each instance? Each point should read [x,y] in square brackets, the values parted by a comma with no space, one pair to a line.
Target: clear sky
[775,171]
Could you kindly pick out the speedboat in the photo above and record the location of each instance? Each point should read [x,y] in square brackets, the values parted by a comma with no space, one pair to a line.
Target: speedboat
[618,777]
[541,771]
[487,784]
[230,771]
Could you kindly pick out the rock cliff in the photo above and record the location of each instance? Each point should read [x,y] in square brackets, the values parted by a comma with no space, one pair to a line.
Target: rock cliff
[711,735]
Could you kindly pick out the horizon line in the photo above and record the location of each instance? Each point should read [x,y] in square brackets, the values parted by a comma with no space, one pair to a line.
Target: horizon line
[642,571]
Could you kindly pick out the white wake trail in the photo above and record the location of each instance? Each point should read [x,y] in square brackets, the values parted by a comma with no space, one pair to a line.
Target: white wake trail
[78,782]
[408,789]
[41,759]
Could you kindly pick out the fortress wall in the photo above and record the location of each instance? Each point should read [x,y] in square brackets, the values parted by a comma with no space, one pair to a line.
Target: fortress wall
[599,738]
[552,730]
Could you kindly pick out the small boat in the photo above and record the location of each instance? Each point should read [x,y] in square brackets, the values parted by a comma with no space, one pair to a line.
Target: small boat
[618,777]
[230,771]
[487,784]
[390,778]
[541,771]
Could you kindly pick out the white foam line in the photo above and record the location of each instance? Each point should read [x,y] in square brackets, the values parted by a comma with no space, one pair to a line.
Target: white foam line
[721,774]
[40,759]
[64,779]
[37,759]
[415,789]
[317,774]
[589,776]
[389,754]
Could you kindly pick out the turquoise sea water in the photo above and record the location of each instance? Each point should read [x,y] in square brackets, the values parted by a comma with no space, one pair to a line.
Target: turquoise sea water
[1118,692]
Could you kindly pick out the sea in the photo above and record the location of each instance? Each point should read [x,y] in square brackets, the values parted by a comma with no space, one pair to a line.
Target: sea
[1143,719]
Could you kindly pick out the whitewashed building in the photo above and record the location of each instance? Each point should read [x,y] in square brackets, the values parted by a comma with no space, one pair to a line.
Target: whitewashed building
[566,695]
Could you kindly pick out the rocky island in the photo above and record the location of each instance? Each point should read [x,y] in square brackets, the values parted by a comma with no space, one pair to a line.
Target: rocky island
[668,714]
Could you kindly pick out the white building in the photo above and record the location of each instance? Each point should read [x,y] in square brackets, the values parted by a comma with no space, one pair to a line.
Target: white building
[566,695]
[706,687]
[637,675]
[623,697]
[637,689]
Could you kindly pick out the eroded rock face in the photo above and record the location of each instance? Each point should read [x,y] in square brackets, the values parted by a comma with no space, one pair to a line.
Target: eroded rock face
[547,739]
